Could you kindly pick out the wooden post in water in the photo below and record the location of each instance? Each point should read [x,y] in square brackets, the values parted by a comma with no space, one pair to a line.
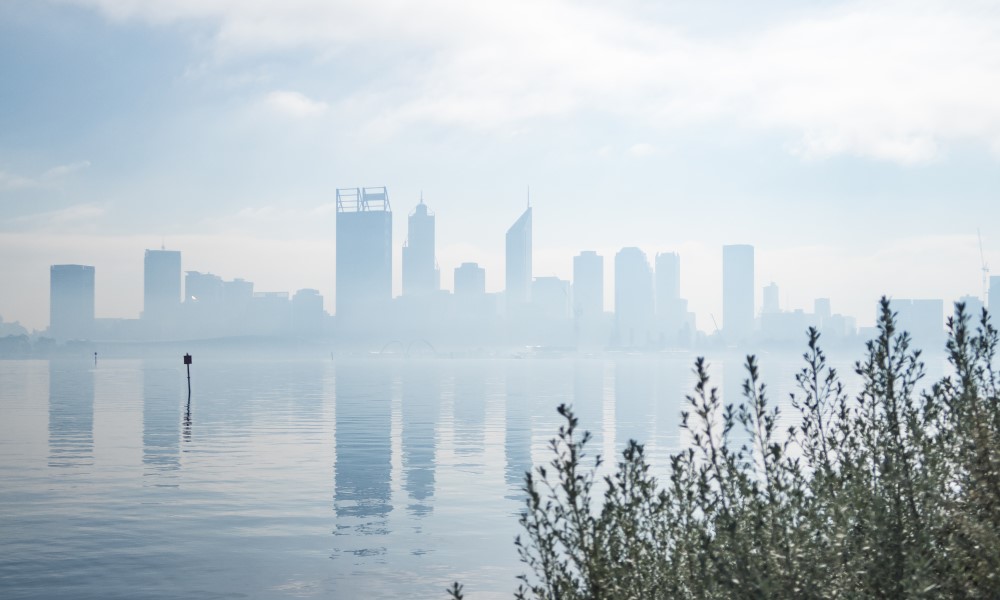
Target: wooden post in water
[187,363]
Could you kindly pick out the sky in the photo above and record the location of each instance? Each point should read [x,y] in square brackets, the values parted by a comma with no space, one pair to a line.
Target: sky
[856,145]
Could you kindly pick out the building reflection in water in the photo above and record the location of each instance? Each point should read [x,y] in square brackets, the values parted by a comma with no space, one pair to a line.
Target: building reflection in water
[71,413]
[517,433]
[421,399]
[588,403]
[635,408]
[162,396]
[362,479]
[470,409]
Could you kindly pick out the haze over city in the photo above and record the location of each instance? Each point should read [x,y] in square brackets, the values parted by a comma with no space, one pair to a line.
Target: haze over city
[223,130]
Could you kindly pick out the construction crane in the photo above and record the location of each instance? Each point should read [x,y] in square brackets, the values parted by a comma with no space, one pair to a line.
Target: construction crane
[986,270]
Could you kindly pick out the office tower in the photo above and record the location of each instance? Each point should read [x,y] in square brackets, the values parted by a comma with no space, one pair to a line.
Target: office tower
[307,312]
[633,297]
[993,297]
[737,292]
[822,309]
[420,276]
[204,289]
[161,298]
[973,308]
[771,304]
[71,302]
[364,253]
[470,280]
[923,320]
[519,261]
[668,282]
[588,285]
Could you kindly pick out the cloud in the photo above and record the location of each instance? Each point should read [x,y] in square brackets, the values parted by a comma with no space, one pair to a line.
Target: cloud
[73,218]
[642,149]
[64,170]
[883,79]
[48,179]
[294,104]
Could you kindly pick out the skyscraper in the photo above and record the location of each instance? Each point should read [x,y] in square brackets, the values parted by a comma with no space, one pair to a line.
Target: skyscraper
[737,292]
[71,302]
[771,300]
[364,253]
[633,297]
[993,297]
[588,285]
[470,280]
[668,281]
[161,286]
[519,261]
[420,276]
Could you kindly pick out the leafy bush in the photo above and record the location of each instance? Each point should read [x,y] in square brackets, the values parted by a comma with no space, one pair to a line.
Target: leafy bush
[894,494]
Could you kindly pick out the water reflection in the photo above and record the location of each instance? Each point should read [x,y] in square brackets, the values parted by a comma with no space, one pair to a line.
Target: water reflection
[421,395]
[362,479]
[161,417]
[71,413]
[517,430]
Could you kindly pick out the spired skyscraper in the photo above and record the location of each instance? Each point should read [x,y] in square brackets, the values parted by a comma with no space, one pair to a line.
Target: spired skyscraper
[518,264]
[364,254]
[161,300]
[420,273]
[737,293]
[71,302]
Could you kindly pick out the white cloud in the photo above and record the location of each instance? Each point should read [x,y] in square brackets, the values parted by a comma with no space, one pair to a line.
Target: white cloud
[64,170]
[72,218]
[294,104]
[642,149]
[885,79]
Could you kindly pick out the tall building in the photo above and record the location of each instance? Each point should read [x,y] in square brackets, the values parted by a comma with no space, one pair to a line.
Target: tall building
[674,324]
[588,285]
[668,281]
[420,275]
[71,302]
[923,320]
[633,297]
[737,292]
[519,261]
[993,298]
[470,280]
[771,302]
[364,253]
[161,298]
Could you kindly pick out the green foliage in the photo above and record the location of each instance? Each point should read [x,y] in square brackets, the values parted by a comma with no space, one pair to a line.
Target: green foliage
[892,494]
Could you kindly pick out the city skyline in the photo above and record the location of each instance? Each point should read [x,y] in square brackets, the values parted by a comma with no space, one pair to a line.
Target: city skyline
[679,128]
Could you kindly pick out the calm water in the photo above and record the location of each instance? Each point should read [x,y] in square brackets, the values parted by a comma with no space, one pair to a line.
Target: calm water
[378,478]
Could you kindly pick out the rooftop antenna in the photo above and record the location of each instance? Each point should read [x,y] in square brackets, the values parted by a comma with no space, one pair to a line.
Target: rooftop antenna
[529,195]
[421,196]
[985,268]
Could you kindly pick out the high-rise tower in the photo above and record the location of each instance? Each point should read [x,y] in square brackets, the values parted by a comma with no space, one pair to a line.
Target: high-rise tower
[161,298]
[420,276]
[519,261]
[71,302]
[588,285]
[737,292]
[364,253]
[633,297]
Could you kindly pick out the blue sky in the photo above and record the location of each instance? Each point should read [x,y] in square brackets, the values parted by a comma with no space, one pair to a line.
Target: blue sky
[855,144]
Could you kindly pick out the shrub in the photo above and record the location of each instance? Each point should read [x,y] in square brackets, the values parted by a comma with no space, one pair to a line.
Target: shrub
[892,494]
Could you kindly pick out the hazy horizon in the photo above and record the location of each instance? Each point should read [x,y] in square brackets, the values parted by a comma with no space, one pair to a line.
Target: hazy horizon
[854,145]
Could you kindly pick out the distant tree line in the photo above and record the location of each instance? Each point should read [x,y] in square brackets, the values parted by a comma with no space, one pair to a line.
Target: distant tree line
[894,493]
